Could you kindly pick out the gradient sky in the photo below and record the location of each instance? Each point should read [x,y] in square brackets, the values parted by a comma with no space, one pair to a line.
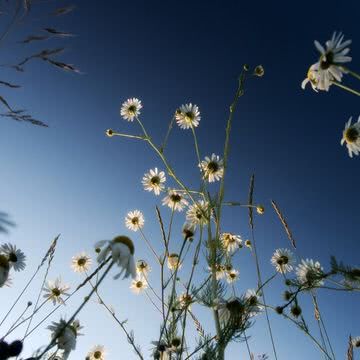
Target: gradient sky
[71,179]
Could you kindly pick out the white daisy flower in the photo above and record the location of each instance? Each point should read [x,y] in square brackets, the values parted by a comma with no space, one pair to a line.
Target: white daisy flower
[175,200]
[138,285]
[4,270]
[197,213]
[81,263]
[329,67]
[142,268]
[122,250]
[96,353]
[16,256]
[232,275]
[212,168]
[351,136]
[188,116]
[65,335]
[134,220]
[309,274]
[356,342]
[54,290]
[230,241]
[130,109]
[173,261]
[220,271]
[252,299]
[283,260]
[154,181]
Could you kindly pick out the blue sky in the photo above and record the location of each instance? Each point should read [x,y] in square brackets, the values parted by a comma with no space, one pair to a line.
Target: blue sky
[71,179]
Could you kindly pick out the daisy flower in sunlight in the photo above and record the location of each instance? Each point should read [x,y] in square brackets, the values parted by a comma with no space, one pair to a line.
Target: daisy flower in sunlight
[329,67]
[283,260]
[232,275]
[65,335]
[122,250]
[356,342]
[96,353]
[188,116]
[142,267]
[230,241]
[81,263]
[212,168]
[174,200]
[197,213]
[4,270]
[351,136]
[309,274]
[54,290]
[15,256]
[173,261]
[220,271]
[260,209]
[138,285]
[130,109]
[134,220]
[154,181]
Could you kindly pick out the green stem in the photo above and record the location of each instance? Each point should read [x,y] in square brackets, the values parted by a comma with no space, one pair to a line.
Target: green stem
[346,88]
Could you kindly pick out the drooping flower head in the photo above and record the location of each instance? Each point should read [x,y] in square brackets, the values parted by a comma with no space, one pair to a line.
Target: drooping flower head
[15,256]
[283,260]
[154,181]
[54,290]
[66,335]
[185,300]
[188,231]
[130,109]
[252,298]
[175,200]
[122,250]
[356,342]
[134,220]
[212,168]
[188,116]
[351,136]
[81,263]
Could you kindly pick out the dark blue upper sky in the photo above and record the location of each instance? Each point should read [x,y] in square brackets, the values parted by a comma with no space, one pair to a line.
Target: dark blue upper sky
[71,179]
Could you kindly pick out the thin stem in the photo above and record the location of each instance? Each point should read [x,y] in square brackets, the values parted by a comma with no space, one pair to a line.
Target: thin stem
[350,72]
[121,324]
[149,245]
[346,88]
[87,298]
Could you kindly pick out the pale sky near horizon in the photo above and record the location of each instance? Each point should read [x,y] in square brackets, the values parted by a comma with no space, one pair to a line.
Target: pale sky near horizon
[73,180]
